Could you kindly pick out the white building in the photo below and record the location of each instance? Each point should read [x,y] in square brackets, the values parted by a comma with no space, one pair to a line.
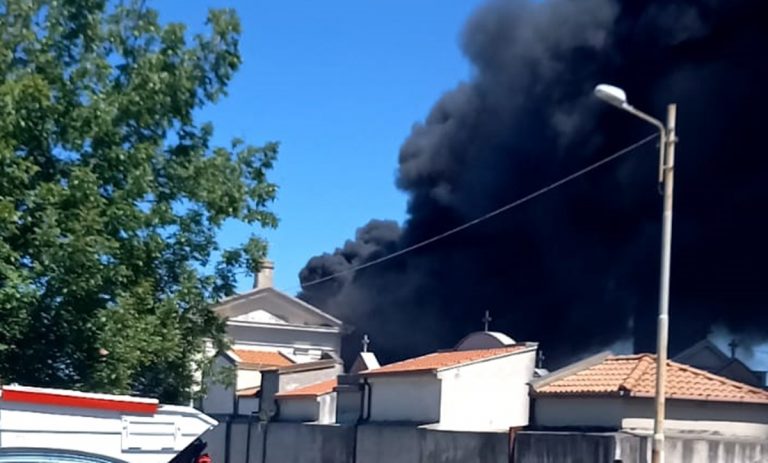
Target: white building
[315,403]
[607,392]
[270,320]
[319,402]
[267,329]
[275,338]
[481,385]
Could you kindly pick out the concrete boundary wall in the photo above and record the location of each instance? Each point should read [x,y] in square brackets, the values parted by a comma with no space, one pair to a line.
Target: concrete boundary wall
[563,447]
[405,443]
[618,447]
[372,443]
[309,443]
[408,444]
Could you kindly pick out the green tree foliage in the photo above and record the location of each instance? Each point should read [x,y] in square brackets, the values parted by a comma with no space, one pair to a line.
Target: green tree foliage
[111,195]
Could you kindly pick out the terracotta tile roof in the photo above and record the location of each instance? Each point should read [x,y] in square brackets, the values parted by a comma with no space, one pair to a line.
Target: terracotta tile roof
[441,360]
[313,390]
[635,375]
[262,358]
[249,392]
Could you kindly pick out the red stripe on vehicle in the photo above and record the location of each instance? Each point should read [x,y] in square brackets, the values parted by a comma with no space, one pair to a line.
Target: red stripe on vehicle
[42,398]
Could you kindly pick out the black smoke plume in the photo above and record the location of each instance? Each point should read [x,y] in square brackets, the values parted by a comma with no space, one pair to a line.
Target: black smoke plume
[576,269]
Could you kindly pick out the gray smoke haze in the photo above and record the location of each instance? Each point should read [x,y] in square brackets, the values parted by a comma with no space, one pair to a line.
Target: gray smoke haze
[576,269]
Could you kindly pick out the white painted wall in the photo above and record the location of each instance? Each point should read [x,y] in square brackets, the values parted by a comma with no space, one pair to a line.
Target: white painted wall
[631,413]
[279,337]
[405,397]
[248,378]
[597,412]
[327,408]
[298,409]
[289,381]
[321,410]
[487,396]
[724,419]
[222,400]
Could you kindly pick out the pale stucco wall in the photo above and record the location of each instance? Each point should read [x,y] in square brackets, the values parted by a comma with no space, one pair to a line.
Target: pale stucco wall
[566,412]
[292,380]
[613,447]
[283,337]
[298,409]
[691,416]
[696,417]
[487,396]
[320,410]
[405,397]
[248,378]
[327,408]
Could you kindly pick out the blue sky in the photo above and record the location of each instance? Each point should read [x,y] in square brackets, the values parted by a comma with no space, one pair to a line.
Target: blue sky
[339,84]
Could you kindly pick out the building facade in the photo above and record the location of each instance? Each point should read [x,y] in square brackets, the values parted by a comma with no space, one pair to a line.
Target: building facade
[616,393]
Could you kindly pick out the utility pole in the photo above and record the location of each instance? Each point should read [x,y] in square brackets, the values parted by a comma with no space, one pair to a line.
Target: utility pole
[667,140]
[668,170]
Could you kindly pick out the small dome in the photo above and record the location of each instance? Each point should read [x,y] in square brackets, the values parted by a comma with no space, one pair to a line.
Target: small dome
[484,340]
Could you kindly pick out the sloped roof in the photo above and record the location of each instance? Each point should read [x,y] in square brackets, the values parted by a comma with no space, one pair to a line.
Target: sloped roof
[365,361]
[262,358]
[635,376]
[703,345]
[312,390]
[249,392]
[443,360]
[228,307]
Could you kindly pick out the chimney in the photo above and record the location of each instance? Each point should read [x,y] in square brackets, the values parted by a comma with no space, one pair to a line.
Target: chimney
[264,278]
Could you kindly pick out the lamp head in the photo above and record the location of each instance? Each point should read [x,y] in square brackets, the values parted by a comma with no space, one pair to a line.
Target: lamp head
[611,94]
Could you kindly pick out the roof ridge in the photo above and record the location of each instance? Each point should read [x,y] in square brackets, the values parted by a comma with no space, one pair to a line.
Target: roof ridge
[503,352]
[628,356]
[445,360]
[286,357]
[643,360]
[411,358]
[310,390]
[568,370]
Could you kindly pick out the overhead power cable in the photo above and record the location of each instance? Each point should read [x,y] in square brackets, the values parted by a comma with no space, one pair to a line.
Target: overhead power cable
[484,217]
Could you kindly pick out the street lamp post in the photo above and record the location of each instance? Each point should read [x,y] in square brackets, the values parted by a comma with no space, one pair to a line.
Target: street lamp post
[667,139]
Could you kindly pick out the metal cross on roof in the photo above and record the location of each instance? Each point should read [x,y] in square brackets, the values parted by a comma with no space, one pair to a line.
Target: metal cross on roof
[365,342]
[486,320]
[734,344]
